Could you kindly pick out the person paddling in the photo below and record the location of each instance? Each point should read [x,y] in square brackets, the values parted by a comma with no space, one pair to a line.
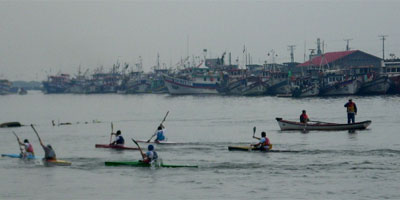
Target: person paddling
[151,155]
[160,133]
[264,143]
[49,153]
[304,117]
[119,140]
[351,111]
[28,148]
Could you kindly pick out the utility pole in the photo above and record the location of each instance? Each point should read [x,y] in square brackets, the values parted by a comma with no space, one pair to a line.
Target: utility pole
[347,44]
[291,48]
[383,38]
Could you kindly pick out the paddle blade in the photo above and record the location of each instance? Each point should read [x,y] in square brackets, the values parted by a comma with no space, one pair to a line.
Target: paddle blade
[254,131]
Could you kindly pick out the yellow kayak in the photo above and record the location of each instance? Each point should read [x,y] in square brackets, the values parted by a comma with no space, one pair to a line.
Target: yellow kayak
[56,162]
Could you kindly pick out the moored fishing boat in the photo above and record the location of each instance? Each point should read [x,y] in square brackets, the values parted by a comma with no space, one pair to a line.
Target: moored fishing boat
[143,164]
[378,85]
[291,125]
[115,147]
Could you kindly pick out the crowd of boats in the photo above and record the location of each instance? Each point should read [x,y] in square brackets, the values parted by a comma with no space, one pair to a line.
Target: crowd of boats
[209,78]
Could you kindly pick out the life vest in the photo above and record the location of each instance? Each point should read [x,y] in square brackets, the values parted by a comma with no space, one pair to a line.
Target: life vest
[120,140]
[351,107]
[29,148]
[266,142]
[303,118]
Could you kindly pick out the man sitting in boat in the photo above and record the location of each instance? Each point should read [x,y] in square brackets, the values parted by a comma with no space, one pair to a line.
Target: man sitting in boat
[160,133]
[28,148]
[351,111]
[264,143]
[119,140]
[150,155]
[304,117]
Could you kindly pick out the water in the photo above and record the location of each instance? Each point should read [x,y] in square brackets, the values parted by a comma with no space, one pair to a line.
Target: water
[331,165]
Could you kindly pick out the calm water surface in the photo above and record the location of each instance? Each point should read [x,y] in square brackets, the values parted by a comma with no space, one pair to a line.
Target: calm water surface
[330,165]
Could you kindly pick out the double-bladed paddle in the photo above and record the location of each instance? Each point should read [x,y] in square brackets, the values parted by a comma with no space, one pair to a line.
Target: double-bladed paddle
[155,132]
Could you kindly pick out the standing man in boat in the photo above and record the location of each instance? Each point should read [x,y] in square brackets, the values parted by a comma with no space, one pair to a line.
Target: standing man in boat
[304,117]
[28,148]
[151,155]
[264,144]
[351,111]
[119,140]
[160,134]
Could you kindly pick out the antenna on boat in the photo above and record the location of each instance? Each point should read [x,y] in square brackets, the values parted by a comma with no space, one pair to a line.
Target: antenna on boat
[291,48]
[383,38]
[347,43]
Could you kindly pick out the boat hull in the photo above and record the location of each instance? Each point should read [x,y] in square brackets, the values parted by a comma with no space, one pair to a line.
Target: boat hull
[143,164]
[180,86]
[115,147]
[290,125]
[56,162]
[17,156]
[249,148]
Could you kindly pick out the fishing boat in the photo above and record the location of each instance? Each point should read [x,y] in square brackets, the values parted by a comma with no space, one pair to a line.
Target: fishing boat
[317,125]
[18,156]
[143,164]
[56,162]
[115,147]
[251,148]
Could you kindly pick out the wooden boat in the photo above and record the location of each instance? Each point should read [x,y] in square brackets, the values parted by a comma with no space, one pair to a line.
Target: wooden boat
[115,147]
[291,125]
[56,162]
[17,156]
[249,148]
[143,164]
[10,124]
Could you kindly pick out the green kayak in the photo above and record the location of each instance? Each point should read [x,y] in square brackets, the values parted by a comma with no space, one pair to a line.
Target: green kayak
[142,164]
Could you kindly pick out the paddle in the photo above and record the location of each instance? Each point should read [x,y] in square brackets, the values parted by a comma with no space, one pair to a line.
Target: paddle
[140,149]
[37,134]
[19,143]
[112,131]
[159,125]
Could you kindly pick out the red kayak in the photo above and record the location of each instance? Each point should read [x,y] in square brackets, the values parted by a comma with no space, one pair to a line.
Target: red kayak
[115,147]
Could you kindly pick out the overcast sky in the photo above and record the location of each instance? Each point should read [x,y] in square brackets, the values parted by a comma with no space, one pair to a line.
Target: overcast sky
[46,37]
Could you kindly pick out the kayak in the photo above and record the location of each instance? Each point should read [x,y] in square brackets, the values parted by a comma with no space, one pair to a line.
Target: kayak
[115,147]
[143,164]
[249,148]
[291,125]
[56,162]
[18,156]
[159,142]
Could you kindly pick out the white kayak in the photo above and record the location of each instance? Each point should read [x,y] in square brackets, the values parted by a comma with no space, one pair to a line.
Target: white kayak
[291,125]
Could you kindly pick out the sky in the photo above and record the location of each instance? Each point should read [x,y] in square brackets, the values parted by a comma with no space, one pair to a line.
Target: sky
[41,38]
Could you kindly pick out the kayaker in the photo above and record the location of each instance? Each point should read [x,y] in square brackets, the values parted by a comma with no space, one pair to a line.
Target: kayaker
[49,153]
[304,117]
[150,155]
[351,111]
[160,133]
[264,144]
[119,140]
[28,148]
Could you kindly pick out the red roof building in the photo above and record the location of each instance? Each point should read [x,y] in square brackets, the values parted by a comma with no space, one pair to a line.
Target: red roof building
[343,60]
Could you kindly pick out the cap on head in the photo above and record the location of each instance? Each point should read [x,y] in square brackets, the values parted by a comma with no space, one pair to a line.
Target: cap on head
[49,146]
[150,147]
[159,128]
[263,134]
[304,111]
[26,141]
[118,132]
[350,99]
